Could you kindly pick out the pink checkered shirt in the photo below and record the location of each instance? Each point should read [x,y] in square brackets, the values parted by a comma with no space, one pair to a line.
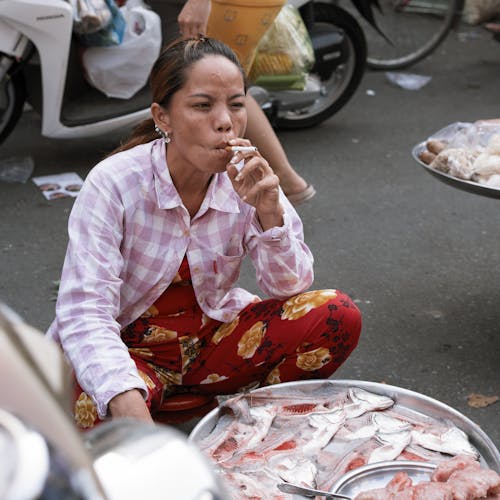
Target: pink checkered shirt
[128,233]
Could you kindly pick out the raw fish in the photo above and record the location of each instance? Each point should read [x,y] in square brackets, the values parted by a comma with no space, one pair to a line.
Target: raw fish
[314,437]
[453,441]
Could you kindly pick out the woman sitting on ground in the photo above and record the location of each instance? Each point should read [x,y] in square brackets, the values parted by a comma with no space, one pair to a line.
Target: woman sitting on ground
[147,306]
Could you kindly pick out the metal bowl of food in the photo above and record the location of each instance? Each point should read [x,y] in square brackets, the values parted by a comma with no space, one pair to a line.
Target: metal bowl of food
[288,448]
[459,477]
[462,184]
[465,156]
[377,475]
[414,403]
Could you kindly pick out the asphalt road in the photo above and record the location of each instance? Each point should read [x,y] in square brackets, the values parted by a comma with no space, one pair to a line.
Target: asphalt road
[421,258]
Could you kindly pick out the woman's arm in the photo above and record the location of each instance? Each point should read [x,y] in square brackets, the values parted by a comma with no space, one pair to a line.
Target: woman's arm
[130,404]
[193,18]
[89,295]
[283,262]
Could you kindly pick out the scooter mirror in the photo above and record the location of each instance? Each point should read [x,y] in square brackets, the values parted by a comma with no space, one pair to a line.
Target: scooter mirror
[34,387]
[24,456]
[164,463]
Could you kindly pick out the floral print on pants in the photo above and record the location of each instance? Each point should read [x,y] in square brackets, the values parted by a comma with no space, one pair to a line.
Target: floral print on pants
[179,349]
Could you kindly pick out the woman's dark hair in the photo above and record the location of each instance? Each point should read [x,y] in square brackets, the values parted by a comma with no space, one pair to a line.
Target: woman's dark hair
[169,74]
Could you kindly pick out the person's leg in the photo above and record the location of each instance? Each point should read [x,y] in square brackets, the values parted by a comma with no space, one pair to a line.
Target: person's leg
[260,132]
[305,337]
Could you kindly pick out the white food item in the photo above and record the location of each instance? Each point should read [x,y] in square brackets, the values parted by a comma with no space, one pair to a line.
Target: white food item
[493,146]
[453,441]
[493,181]
[485,166]
[456,162]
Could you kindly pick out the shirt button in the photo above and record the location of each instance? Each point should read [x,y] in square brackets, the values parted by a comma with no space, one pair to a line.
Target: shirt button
[186,232]
[196,269]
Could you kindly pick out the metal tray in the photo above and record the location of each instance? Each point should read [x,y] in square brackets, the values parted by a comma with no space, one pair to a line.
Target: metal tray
[464,185]
[404,398]
[379,474]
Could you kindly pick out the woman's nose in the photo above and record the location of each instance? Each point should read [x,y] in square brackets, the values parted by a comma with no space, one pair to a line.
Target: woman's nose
[223,120]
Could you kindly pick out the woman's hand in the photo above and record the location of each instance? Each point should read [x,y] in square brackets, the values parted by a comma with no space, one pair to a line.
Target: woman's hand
[256,184]
[130,404]
[193,18]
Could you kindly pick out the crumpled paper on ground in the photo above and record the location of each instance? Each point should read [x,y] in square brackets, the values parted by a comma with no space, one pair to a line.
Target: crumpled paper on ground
[408,81]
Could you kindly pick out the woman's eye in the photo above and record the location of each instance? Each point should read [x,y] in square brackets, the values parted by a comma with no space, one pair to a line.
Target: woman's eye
[237,105]
[202,105]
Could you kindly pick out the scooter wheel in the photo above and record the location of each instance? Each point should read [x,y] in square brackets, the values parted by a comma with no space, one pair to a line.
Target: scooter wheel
[340,80]
[12,96]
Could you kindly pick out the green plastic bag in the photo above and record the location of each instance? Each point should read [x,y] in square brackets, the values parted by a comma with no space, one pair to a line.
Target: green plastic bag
[285,51]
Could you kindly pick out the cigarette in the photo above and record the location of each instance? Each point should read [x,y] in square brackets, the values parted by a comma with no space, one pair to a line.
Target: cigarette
[241,149]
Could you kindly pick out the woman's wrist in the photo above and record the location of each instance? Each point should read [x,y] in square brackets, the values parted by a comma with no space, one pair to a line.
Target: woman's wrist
[129,404]
[268,221]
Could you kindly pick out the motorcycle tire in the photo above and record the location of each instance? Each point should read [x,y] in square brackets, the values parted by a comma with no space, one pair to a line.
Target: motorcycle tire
[338,88]
[12,97]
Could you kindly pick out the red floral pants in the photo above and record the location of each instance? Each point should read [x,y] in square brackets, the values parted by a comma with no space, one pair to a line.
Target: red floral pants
[179,349]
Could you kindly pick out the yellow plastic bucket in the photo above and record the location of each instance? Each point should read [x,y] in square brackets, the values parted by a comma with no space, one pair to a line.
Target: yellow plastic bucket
[241,24]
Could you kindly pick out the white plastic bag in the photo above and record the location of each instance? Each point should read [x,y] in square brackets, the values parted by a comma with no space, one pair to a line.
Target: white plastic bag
[90,16]
[110,33]
[121,71]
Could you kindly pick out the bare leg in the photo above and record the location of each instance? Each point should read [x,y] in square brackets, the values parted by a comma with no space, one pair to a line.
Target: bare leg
[260,132]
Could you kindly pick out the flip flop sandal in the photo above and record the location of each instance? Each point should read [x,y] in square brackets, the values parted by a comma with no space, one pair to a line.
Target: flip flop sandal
[302,196]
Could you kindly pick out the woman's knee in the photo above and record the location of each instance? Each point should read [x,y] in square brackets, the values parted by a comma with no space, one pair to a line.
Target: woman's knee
[350,309]
[342,319]
[349,314]
[336,301]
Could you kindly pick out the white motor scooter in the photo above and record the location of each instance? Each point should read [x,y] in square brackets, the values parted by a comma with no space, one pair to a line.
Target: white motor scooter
[40,64]
[44,457]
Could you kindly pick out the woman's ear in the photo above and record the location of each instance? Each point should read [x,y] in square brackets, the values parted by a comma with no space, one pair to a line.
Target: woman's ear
[160,117]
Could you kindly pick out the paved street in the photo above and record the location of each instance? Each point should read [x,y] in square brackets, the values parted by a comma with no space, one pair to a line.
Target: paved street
[421,258]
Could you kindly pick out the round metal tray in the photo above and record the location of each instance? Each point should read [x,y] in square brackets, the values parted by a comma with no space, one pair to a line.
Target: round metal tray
[377,475]
[464,185]
[408,400]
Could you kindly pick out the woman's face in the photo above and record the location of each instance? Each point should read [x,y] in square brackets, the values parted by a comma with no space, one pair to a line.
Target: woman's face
[205,114]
